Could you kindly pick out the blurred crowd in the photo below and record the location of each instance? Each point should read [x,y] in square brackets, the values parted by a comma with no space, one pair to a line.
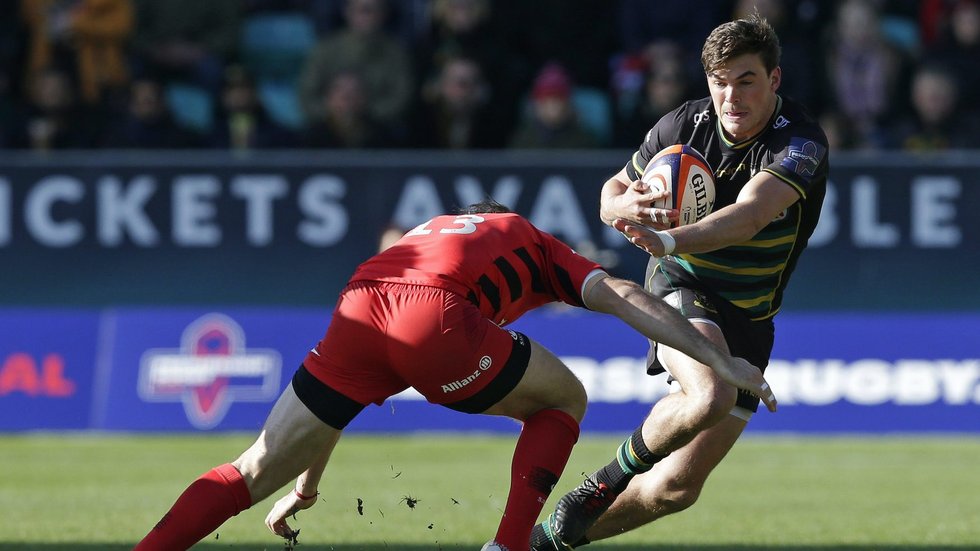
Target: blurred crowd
[462,74]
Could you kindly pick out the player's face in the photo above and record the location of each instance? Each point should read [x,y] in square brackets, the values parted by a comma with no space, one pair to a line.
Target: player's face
[744,95]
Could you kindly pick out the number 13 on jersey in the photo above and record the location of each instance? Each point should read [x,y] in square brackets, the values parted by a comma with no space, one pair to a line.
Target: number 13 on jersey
[464,223]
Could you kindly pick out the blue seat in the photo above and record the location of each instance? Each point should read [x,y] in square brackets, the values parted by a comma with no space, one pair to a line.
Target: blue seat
[902,32]
[276,45]
[192,106]
[281,102]
[594,112]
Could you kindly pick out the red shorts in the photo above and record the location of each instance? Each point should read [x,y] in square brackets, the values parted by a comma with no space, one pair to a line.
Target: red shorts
[386,337]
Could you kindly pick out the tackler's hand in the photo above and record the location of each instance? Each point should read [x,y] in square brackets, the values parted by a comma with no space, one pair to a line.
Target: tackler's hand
[740,373]
[285,507]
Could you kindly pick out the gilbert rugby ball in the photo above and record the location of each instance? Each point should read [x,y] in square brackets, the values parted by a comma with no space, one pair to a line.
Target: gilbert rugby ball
[682,170]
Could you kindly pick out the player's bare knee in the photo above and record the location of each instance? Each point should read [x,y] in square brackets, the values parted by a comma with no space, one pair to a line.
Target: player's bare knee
[711,404]
[567,393]
[555,386]
[576,399]
[249,463]
[256,465]
[670,497]
[677,500]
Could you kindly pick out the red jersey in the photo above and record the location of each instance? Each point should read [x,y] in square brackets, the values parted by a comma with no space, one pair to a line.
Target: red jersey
[500,262]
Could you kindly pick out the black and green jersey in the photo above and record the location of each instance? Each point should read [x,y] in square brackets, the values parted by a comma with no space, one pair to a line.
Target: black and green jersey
[751,275]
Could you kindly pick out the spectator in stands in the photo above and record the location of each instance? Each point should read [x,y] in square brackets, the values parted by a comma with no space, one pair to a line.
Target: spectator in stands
[865,73]
[837,128]
[382,62]
[242,122]
[936,123]
[551,121]
[465,28]
[345,121]
[665,86]
[454,110]
[93,34]
[641,22]
[958,46]
[797,24]
[581,35]
[186,40]
[406,19]
[53,119]
[147,122]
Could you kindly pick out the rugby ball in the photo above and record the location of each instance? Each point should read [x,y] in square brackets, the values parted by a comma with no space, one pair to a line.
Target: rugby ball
[685,172]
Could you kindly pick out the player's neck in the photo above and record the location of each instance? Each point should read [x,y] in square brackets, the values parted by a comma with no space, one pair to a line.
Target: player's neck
[774,107]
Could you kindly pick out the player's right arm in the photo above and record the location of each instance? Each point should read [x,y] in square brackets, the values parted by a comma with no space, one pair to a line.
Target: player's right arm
[622,198]
[659,322]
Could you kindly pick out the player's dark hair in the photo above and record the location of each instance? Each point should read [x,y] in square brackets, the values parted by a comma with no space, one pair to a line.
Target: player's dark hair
[751,35]
[485,206]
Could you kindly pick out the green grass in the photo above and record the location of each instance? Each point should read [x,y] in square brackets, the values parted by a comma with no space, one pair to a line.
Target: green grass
[83,492]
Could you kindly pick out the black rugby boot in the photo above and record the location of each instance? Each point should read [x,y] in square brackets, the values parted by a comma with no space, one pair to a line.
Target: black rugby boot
[578,510]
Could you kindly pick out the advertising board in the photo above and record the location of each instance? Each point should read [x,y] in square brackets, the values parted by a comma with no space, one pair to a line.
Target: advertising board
[193,369]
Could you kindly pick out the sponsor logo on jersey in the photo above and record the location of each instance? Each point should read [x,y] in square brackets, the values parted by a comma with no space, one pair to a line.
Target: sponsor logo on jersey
[781,122]
[730,172]
[460,383]
[211,370]
[803,156]
[484,364]
[701,117]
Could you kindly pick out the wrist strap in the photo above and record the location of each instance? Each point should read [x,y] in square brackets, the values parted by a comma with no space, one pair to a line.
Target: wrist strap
[305,498]
[667,240]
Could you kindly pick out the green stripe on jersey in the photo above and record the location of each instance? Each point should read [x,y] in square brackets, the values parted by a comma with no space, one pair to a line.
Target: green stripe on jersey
[750,274]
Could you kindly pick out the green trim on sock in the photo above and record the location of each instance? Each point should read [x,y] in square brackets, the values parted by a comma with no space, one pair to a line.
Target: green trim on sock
[629,461]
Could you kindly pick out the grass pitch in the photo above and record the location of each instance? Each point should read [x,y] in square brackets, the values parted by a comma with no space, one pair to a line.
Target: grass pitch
[61,492]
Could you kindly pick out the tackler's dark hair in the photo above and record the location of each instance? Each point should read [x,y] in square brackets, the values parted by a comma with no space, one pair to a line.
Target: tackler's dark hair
[485,206]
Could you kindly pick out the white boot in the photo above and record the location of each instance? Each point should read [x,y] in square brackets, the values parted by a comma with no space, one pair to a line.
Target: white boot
[493,546]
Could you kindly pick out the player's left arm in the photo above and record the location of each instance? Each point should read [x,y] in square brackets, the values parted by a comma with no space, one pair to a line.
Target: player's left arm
[302,496]
[761,200]
[658,321]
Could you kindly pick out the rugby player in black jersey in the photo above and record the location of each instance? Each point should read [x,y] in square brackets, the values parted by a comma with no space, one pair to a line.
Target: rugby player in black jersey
[725,273]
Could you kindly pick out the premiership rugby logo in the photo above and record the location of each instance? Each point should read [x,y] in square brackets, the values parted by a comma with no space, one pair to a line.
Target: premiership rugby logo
[211,370]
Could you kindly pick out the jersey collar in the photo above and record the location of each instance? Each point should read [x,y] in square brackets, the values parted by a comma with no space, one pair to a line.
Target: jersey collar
[749,141]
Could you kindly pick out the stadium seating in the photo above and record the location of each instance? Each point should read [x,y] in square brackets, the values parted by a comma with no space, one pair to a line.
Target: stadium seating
[280,101]
[902,32]
[191,106]
[274,46]
[594,112]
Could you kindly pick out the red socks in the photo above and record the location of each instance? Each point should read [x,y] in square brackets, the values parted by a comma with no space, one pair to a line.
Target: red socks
[209,501]
[542,450]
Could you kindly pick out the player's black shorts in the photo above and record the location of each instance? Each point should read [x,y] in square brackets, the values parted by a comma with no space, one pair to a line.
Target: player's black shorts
[746,338]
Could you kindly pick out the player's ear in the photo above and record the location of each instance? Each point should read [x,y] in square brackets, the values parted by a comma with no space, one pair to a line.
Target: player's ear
[776,78]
